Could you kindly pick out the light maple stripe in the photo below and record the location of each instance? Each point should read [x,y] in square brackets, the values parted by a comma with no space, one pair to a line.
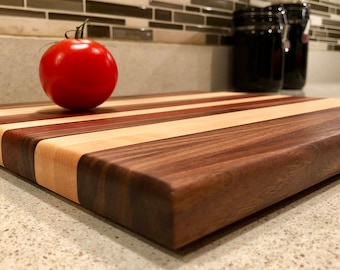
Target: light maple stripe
[56,159]
[46,122]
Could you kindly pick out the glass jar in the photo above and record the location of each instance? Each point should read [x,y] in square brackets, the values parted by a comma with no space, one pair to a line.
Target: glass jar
[259,34]
[295,68]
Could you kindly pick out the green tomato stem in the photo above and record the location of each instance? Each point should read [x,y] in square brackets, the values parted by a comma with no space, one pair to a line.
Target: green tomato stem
[79,32]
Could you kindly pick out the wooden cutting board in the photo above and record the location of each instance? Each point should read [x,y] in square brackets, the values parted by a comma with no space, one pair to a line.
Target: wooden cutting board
[175,167]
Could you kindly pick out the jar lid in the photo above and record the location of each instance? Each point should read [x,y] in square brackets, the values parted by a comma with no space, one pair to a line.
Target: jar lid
[255,16]
[296,13]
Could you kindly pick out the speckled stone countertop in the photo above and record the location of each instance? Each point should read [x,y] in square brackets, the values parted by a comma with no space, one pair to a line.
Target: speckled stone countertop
[41,230]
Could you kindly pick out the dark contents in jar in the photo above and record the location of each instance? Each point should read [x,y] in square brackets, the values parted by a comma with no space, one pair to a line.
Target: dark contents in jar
[258,50]
[296,57]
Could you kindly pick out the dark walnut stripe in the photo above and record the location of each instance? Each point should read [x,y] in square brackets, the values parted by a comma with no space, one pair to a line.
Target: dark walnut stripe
[18,145]
[177,190]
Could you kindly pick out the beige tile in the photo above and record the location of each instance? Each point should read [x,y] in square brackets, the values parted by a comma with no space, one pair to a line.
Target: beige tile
[317,46]
[174,36]
[34,27]
[136,22]
[128,2]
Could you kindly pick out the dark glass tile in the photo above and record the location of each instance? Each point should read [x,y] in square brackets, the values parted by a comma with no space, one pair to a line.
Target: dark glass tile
[73,5]
[98,31]
[207,29]
[332,10]
[192,9]
[334,35]
[165,4]
[214,3]
[318,7]
[121,10]
[327,22]
[132,34]
[334,47]
[216,12]
[212,39]
[19,3]
[22,13]
[70,17]
[213,21]
[166,25]
[318,34]
[188,18]
[163,15]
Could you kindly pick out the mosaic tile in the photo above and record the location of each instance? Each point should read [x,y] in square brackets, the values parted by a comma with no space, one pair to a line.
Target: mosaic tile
[176,21]
[163,15]
[213,21]
[22,13]
[70,17]
[207,29]
[166,25]
[115,9]
[188,18]
[327,22]
[178,37]
[334,35]
[12,2]
[192,9]
[318,34]
[71,5]
[335,47]
[132,34]
[165,4]
[214,3]
[316,7]
[216,12]
[98,31]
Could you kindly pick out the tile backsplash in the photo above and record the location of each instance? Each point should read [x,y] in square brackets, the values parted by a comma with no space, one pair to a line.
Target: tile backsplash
[204,22]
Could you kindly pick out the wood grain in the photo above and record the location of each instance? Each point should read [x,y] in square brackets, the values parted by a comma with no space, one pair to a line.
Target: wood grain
[19,151]
[157,164]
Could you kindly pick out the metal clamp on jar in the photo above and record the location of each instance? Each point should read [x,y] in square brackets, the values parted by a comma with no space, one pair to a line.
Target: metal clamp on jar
[295,69]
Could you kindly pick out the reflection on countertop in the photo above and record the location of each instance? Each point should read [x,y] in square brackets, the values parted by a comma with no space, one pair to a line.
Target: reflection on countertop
[325,90]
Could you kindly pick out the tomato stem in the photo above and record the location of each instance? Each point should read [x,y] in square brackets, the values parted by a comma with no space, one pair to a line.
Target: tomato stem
[79,32]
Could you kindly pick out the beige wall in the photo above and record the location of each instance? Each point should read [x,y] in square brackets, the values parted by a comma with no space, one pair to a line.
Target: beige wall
[143,68]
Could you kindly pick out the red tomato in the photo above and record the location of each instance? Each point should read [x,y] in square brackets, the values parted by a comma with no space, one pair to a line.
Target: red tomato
[78,74]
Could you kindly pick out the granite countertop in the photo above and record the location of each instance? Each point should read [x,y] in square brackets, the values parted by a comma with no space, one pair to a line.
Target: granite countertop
[41,230]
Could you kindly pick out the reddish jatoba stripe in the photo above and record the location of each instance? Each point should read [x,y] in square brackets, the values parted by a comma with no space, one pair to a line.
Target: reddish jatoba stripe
[60,113]
[18,145]
[234,171]
[47,103]
[23,105]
